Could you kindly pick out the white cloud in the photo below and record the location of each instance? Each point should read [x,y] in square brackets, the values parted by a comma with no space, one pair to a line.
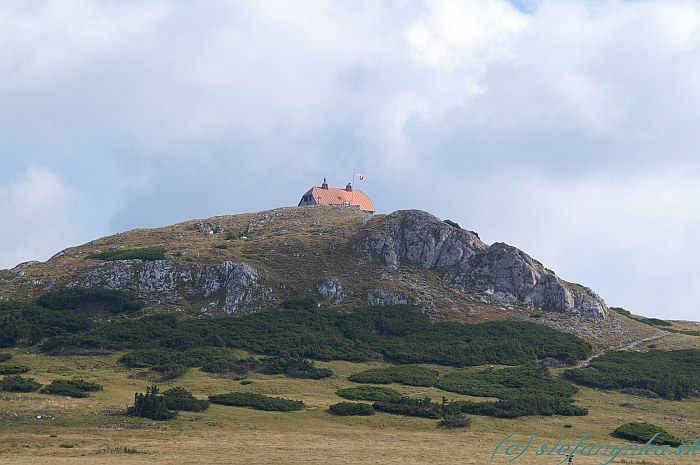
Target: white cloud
[473,110]
[39,217]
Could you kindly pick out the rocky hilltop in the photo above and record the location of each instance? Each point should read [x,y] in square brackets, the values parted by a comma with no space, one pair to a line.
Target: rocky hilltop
[498,273]
[338,255]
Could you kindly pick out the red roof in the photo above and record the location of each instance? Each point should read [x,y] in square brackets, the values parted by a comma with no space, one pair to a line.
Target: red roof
[337,196]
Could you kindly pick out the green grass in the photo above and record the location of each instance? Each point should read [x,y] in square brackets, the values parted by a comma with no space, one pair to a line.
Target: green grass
[410,375]
[144,253]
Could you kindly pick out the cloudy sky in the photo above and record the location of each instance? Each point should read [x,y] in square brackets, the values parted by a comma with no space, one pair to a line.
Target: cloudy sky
[568,128]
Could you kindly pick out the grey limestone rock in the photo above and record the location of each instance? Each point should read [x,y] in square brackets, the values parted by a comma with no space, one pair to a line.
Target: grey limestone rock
[385,296]
[331,289]
[238,286]
[417,238]
[498,273]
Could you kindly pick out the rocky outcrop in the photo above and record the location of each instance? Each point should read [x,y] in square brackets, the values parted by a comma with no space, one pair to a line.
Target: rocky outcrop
[417,238]
[338,254]
[385,296]
[232,287]
[498,273]
[331,289]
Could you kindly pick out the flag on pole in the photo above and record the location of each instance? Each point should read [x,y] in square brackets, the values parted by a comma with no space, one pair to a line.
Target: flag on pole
[360,177]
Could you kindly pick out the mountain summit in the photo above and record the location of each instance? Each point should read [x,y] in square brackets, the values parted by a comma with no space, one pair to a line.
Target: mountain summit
[250,262]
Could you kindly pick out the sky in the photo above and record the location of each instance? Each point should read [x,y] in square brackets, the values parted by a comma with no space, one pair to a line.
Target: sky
[567,128]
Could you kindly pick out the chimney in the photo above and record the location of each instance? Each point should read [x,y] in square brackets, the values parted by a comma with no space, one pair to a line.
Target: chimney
[348,187]
[324,185]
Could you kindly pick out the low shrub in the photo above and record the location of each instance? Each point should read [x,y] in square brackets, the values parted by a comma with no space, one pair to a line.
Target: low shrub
[147,358]
[88,299]
[294,367]
[71,387]
[507,383]
[621,311]
[23,323]
[402,334]
[522,406]
[257,401]
[17,383]
[672,374]
[375,393]
[655,322]
[5,357]
[642,432]
[151,405]
[455,421]
[170,372]
[304,303]
[181,399]
[410,406]
[220,360]
[10,368]
[351,408]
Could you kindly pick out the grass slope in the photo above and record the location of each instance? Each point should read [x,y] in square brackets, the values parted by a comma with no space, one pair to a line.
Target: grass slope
[224,435]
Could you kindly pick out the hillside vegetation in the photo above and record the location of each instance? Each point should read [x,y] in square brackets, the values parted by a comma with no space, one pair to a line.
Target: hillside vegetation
[671,374]
[401,334]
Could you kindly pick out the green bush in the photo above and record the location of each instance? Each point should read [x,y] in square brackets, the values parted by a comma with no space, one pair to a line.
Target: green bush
[147,358]
[507,383]
[522,406]
[401,334]
[206,355]
[170,372]
[351,408]
[145,253]
[220,360]
[455,421]
[71,387]
[452,223]
[304,303]
[410,406]
[17,383]
[375,393]
[642,432]
[655,322]
[22,323]
[151,405]
[181,399]
[10,368]
[408,374]
[294,367]
[5,357]
[621,311]
[88,299]
[672,374]
[257,401]
[523,391]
